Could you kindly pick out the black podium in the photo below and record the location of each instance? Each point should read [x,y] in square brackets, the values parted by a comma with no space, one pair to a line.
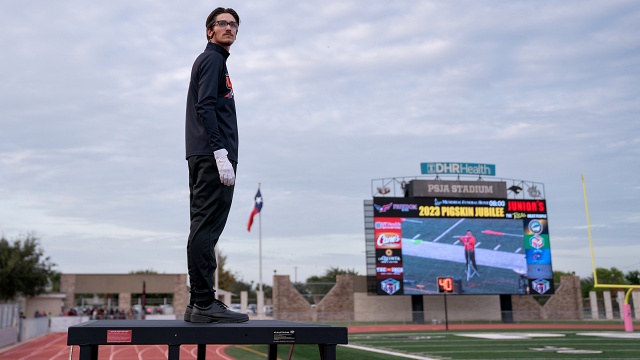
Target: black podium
[174,333]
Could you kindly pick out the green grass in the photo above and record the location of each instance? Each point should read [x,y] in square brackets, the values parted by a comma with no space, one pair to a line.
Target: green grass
[301,352]
[451,345]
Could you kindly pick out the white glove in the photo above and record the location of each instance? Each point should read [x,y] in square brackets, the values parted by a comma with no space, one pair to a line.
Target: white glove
[227,175]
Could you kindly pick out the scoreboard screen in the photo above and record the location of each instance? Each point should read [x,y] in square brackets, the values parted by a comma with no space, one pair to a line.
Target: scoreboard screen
[433,245]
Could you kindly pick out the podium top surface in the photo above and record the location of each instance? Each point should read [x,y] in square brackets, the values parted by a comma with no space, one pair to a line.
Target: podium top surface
[139,332]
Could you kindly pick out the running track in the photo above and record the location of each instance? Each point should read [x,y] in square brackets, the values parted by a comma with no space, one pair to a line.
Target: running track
[53,346]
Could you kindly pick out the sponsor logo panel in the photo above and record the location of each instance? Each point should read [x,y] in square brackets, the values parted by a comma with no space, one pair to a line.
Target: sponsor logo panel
[535,226]
[538,256]
[386,257]
[541,286]
[390,286]
[537,271]
[536,242]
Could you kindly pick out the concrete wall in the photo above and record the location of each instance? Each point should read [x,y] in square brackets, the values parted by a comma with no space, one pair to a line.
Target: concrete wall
[8,336]
[382,308]
[45,303]
[62,323]
[31,328]
[463,308]
[9,323]
[124,285]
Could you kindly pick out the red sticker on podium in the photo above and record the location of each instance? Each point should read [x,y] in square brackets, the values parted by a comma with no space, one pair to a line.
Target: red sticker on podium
[119,336]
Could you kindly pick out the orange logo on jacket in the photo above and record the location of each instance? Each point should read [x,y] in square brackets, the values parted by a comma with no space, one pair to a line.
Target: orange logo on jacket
[230,87]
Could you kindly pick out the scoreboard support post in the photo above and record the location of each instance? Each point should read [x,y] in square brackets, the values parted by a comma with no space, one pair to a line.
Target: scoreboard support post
[446,314]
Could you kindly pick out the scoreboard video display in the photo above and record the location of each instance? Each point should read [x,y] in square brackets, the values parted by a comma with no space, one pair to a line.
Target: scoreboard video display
[429,245]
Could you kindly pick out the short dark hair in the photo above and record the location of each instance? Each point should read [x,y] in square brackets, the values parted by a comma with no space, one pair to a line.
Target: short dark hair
[212,17]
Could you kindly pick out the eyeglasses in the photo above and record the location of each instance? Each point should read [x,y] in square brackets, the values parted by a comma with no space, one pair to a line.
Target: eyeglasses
[223,24]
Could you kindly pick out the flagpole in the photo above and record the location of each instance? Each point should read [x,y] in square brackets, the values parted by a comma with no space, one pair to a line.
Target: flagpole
[260,293]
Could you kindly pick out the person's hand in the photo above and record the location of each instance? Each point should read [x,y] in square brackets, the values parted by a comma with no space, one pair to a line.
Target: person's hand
[227,175]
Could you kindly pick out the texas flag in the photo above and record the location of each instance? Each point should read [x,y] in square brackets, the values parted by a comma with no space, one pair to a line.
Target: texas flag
[256,209]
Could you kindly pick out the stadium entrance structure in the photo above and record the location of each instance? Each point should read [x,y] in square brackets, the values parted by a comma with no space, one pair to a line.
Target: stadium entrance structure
[124,285]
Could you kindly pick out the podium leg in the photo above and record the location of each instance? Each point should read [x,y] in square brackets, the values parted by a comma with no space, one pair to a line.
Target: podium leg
[174,352]
[273,352]
[327,351]
[88,352]
[202,351]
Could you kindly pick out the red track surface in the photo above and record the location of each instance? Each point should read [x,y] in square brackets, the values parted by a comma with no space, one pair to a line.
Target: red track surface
[53,346]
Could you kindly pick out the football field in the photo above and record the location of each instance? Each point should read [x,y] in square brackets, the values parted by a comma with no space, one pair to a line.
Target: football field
[470,345]
[367,343]
[506,345]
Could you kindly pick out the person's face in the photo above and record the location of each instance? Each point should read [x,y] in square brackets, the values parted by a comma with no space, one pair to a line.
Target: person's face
[223,35]
[469,233]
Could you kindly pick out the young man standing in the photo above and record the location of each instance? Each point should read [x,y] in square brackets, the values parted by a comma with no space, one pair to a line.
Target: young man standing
[211,138]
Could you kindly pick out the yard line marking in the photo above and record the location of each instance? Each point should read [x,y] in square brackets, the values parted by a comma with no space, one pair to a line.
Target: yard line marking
[379,351]
[478,244]
[614,335]
[413,221]
[448,230]
[518,250]
[497,247]
[415,237]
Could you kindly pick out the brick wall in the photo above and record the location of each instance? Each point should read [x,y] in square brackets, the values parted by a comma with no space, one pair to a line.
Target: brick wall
[180,294]
[338,304]
[565,304]
[68,287]
[525,307]
[288,304]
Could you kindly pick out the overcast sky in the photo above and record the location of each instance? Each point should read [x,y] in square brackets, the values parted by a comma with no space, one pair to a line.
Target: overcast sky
[330,95]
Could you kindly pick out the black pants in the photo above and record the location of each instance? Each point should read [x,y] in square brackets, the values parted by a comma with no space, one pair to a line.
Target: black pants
[470,255]
[210,202]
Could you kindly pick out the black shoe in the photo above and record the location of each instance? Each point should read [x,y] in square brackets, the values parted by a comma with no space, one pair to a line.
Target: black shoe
[217,312]
[187,313]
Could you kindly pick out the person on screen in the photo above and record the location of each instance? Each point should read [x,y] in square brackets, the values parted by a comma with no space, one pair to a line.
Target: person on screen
[469,242]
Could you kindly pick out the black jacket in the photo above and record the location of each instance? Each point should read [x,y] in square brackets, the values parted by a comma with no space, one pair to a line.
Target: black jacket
[211,122]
